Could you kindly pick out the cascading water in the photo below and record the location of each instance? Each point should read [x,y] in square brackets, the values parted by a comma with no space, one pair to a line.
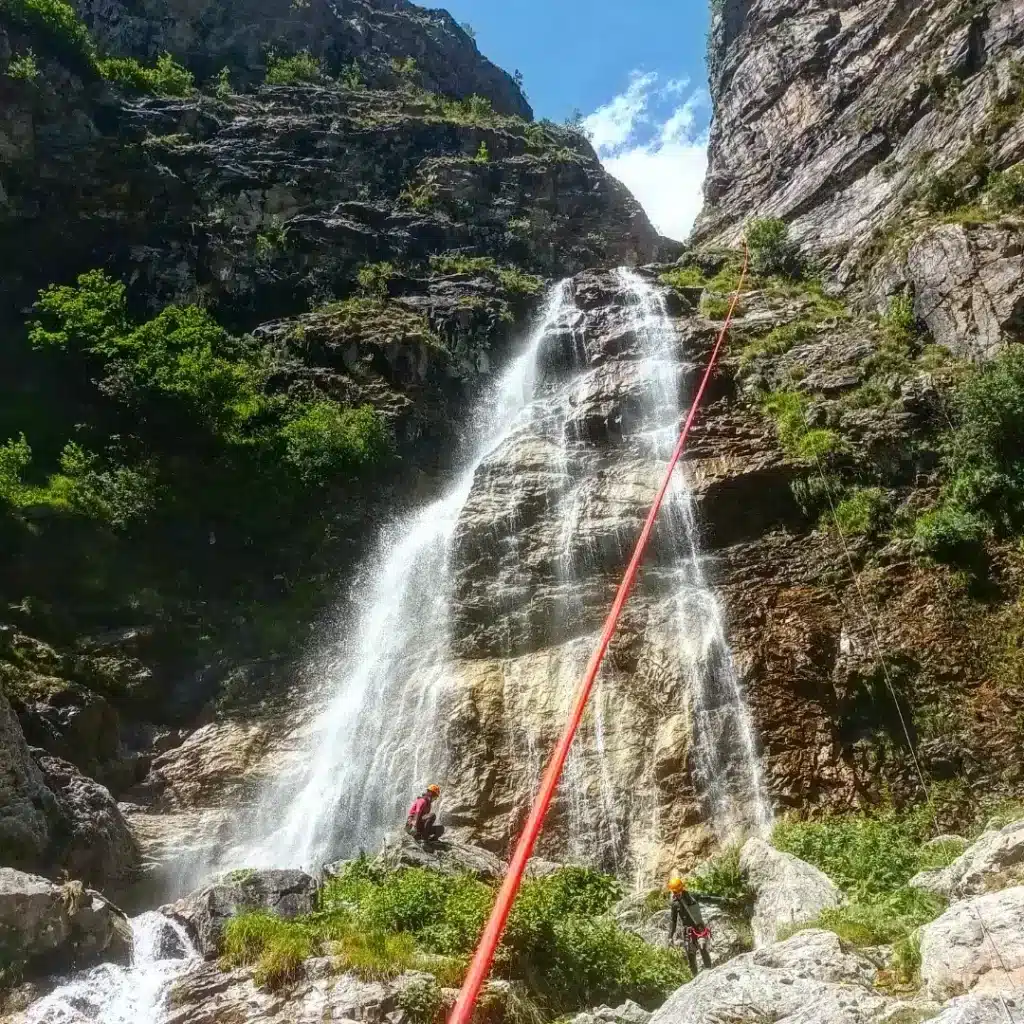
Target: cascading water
[110,994]
[376,740]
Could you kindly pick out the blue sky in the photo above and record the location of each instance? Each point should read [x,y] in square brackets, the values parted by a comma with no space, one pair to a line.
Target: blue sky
[634,68]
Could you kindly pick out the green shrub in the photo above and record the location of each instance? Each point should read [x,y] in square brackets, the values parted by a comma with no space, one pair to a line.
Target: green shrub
[1005,189]
[799,441]
[721,876]
[771,251]
[483,154]
[518,282]
[422,1002]
[900,320]
[683,277]
[949,531]
[866,855]
[859,512]
[56,26]
[167,78]
[882,920]
[374,955]
[222,88]
[420,196]
[459,264]
[351,77]
[299,69]
[277,948]
[777,341]
[944,191]
[324,440]
[715,307]
[23,67]
[940,854]
[373,278]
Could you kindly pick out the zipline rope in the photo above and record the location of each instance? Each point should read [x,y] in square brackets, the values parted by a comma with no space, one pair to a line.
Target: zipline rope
[484,955]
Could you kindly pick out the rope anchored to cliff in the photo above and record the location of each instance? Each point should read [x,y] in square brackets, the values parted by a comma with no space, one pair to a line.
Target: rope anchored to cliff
[484,955]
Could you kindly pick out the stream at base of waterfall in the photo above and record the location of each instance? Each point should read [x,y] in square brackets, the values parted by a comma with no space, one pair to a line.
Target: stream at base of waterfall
[376,736]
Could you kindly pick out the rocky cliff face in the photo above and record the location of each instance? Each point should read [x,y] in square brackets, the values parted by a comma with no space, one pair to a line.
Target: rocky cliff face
[866,125]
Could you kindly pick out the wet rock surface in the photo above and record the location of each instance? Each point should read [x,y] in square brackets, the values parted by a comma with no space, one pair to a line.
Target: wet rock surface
[204,912]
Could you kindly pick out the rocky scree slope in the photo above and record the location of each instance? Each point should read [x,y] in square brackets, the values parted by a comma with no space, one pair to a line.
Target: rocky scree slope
[888,135]
[294,289]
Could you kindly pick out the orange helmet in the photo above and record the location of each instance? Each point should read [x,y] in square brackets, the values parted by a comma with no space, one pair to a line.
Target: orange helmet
[434,790]
[676,884]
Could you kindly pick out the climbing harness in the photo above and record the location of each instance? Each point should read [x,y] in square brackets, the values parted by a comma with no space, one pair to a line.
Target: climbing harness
[480,966]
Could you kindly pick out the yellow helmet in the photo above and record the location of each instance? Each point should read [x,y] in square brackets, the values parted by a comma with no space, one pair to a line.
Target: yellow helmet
[434,789]
[676,884]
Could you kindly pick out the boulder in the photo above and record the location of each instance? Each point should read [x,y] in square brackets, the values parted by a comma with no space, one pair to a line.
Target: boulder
[28,809]
[628,1013]
[972,1009]
[205,994]
[98,847]
[808,979]
[49,928]
[205,911]
[976,943]
[788,890]
[448,856]
[995,861]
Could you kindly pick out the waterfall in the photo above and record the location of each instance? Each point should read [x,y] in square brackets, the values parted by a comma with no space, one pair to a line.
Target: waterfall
[376,740]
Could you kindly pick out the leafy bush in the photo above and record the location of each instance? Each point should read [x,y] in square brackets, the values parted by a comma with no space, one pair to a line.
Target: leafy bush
[222,87]
[900,320]
[421,1002]
[940,854]
[683,277]
[799,441]
[299,69]
[483,154]
[518,282]
[721,876]
[865,855]
[716,307]
[1005,189]
[324,440]
[23,67]
[167,78]
[948,532]
[860,511]
[56,25]
[420,196]
[373,278]
[771,251]
[944,191]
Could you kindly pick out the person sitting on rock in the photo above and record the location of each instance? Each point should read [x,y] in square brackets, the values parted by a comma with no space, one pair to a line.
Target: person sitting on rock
[686,912]
[421,822]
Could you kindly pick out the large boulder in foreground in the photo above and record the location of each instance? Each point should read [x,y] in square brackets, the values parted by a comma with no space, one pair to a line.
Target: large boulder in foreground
[205,911]
[978,944]
[29,812]
[49,928]
[98,847]
[808,979]
[994,861]
[972,1009]
[449,856]
[788,890]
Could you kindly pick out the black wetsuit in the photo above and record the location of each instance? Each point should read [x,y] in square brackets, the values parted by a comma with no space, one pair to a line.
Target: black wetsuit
[686,913]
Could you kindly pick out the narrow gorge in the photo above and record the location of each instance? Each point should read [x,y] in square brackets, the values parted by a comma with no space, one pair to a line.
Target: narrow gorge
[334,392]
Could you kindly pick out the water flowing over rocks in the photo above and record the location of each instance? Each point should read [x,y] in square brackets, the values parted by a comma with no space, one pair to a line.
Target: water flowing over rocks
[788,890]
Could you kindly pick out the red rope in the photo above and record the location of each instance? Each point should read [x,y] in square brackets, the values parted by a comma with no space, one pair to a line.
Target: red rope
[481,965]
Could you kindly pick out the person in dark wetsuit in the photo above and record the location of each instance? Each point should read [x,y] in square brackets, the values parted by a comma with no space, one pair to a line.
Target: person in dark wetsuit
[421,822]
[686,913]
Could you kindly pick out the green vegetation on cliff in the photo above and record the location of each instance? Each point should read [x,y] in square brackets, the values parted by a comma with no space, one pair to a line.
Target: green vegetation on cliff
[559,943]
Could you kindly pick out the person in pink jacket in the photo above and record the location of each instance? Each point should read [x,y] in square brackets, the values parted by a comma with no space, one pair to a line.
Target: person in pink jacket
[421,822]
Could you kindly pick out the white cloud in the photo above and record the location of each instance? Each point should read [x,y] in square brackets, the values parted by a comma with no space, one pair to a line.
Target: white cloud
[610,126]
[666,168]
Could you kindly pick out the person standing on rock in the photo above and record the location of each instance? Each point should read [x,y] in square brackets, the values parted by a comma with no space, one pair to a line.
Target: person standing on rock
[686,912]
[421,822]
